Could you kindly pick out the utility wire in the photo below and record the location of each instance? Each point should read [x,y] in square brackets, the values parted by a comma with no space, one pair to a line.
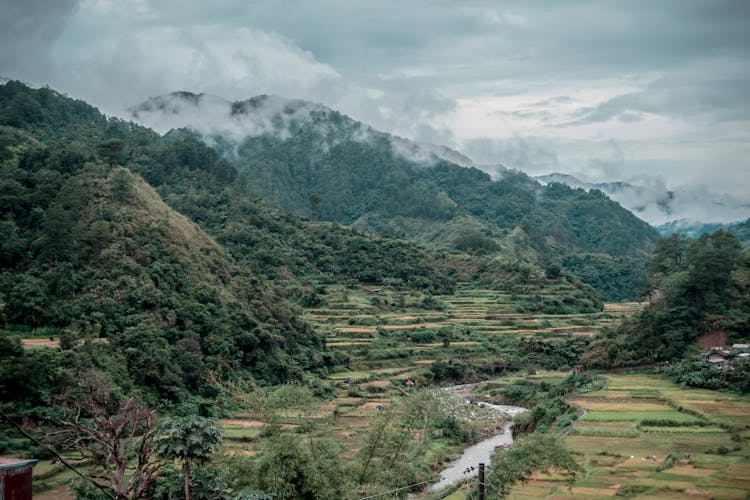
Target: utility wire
[56,454]
[399,489]
[495,488]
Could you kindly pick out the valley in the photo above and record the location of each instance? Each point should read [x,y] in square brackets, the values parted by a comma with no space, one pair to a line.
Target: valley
[237,288]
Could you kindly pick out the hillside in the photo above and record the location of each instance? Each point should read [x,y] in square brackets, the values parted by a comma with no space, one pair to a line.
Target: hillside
[702,289]
[158,246]
[322,164]
[95,253]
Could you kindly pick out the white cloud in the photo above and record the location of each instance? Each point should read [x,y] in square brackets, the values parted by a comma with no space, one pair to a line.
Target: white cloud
[542,86]
[233,63]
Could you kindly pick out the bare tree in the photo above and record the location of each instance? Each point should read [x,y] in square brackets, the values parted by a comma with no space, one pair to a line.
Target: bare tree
[117,434]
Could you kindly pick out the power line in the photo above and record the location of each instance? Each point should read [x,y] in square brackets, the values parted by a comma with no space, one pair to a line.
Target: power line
[399,489]
[56,454]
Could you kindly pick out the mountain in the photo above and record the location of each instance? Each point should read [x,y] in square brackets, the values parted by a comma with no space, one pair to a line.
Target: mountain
[91,250]
[742,231]
[668,209]
[696,229]
[324,165]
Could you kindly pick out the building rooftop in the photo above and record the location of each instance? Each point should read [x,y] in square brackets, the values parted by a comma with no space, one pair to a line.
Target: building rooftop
[13,463]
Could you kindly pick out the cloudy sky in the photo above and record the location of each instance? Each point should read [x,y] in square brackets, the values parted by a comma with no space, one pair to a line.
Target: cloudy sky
[604,90]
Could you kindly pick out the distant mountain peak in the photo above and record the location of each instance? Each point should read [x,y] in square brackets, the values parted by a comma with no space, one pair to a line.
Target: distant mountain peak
[661,206]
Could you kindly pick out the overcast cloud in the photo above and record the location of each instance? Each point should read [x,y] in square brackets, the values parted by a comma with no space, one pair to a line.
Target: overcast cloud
[605,90]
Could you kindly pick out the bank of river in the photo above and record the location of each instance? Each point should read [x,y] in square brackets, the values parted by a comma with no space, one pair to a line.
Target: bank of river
[466,466]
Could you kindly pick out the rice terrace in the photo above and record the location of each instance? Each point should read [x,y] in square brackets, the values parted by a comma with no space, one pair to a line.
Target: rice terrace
[373,250]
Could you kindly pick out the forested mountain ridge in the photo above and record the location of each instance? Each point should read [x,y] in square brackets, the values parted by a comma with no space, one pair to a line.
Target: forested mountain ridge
[322,164]
[158,245]
[95,253]
[700,286]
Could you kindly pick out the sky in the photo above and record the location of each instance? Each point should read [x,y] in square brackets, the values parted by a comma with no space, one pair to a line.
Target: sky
[644,91]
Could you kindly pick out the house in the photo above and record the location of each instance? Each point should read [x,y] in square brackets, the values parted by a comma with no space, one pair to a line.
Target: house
[716,359]
[741,348]
[15,478]
[409,383]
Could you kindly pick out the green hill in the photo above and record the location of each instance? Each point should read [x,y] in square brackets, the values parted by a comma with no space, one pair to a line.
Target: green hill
[322,164]
[97,254]
[158,246]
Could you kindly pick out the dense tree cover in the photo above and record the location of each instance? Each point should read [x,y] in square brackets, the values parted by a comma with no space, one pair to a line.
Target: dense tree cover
[91,251]
[332,168]
[619,278]
[699,286]
[176,309]
[695,373]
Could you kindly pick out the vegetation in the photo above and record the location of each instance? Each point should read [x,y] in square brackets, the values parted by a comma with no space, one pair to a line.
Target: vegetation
[645,435]
[324,165]
[532,454]
[191,440]
[167,294]
[698,287]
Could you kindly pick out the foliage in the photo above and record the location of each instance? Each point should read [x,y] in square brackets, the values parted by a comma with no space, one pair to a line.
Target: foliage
[291,469]
[191,440]
[546,402]
[696,374]
[701,286]
[536,452]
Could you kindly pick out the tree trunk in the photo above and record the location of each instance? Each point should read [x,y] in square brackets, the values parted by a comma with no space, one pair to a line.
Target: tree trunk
[186,469]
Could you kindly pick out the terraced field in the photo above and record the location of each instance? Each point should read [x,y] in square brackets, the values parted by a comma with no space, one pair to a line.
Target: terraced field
[644,436]
[382,327]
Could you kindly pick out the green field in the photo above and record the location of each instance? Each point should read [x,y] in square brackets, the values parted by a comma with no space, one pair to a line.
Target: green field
[692,446]
[387,328]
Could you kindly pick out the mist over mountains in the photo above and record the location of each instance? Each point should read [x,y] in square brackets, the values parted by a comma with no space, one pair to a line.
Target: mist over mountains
[668,209]
[225,124]
[322,164]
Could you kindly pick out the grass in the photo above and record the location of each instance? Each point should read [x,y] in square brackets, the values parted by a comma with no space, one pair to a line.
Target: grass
[621,457]
[393,328]
[635,416]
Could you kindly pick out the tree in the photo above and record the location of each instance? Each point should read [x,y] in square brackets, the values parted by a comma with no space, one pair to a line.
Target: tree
[122,184]
[118,436]
[188,439]
[669,254]
[533,453]
[293,469]
[110,150]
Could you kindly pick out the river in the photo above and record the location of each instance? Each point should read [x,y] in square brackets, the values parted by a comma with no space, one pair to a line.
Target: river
[466,466]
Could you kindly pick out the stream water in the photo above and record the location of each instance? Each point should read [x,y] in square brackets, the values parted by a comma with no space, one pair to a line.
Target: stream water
[466,466]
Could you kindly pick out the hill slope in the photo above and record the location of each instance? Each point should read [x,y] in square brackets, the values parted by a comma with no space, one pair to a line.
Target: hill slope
[324,165]
[173,271]
[97,253]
